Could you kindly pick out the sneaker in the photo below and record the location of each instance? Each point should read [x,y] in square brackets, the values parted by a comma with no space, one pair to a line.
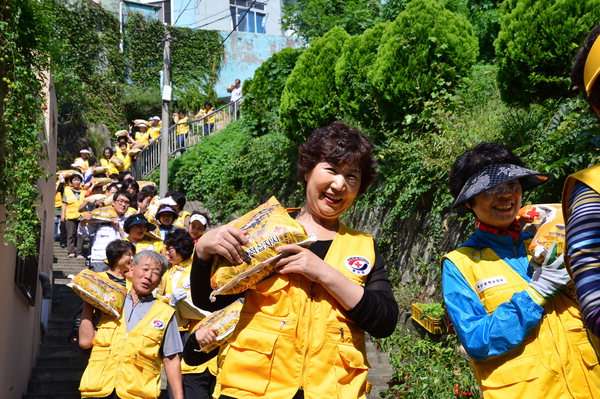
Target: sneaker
[71,255]
[80,257]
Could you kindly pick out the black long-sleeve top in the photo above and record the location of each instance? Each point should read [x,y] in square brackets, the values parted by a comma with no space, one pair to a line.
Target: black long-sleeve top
[376,312]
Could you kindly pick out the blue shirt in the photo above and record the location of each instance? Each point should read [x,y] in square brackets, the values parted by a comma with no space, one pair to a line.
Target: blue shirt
[484,335]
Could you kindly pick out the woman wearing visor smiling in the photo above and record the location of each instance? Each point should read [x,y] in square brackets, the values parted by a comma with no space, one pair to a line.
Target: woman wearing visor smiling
[524,337]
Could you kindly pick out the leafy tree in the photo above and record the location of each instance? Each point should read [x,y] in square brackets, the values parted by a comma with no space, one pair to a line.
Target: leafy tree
[358,100]
[426,49]
[536,43]
[313,18]
[263,92]
[309,99]
[485,17]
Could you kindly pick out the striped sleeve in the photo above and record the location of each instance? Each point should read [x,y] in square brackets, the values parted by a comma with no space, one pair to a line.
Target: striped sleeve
[583,250]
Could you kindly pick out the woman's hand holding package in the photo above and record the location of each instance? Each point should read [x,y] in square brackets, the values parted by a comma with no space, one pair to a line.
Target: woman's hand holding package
[225,241]
[301,260]
[550,278]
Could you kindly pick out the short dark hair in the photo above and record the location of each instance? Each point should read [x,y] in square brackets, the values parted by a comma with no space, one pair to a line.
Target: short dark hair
[123,193]
[579,65]
[181,241]
[142,195]
[73,176]
[207,103]
[475,159]
[130,183]
[111,185]
[338,144]
[149,190]
[178,197]
[116,249]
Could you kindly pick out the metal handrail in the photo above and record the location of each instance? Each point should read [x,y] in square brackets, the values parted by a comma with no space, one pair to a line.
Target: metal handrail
[149,159]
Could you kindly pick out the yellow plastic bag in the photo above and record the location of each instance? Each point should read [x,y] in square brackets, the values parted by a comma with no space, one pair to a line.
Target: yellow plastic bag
[269,226]
[99,291]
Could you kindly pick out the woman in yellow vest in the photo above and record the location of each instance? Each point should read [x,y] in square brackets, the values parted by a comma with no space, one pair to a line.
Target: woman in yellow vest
[70,214]
[524,337]
[183,216]
[301,332]
[142,137]
[198,381]
[107,154]
[137,227]
[581,197]
[182,129]
[208,113]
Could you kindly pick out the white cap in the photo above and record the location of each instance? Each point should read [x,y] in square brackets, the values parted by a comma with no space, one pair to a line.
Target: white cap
[199,218]
[167,201]
[156,118]
[84,151]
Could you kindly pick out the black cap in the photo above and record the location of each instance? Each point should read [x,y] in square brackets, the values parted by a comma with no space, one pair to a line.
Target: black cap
[135,220]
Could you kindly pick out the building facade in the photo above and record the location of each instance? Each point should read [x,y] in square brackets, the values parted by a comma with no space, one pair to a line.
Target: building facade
[251,30]
[24,311]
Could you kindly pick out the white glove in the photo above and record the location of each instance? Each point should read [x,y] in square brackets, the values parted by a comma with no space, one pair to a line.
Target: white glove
[549,279]
[177,295]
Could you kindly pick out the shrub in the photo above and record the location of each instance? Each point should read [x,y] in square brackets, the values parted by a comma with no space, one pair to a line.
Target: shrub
[427,48]
[536,43]
[263,92]
[358,101]
[209,172]
[309,99]
[141,102]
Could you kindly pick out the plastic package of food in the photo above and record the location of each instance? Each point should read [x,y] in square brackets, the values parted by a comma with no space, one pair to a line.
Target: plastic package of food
[118,162]
[224,322]
[99,291]
[108,213]
[121,133]
[547,224]
[268,226]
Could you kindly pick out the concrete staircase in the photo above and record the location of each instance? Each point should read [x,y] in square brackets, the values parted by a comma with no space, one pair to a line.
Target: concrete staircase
[59,365]
[380,372]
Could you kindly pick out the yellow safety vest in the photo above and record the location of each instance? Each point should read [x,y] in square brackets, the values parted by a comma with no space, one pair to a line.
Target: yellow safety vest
[293,334]
[555,361]
[182,126]
[154,132]
[58,200]
[152,245]
[127,362]
[111,166]
[181,278]
[180,221]
[73,203]
[142,138]
[126,160]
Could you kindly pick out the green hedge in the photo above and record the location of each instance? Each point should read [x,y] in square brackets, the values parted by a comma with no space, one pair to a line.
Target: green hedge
[310,99]
[536,44]
[426,49]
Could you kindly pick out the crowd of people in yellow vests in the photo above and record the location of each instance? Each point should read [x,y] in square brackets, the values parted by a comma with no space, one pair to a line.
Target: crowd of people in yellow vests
[527,330]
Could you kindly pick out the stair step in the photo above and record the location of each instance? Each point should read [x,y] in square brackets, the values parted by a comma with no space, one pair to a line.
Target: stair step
[54,388]
[79,361]
[54,395]
[56,374]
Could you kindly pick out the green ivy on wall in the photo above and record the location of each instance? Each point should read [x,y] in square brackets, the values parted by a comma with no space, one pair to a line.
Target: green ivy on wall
[196,57]
[88,67]
[23,31]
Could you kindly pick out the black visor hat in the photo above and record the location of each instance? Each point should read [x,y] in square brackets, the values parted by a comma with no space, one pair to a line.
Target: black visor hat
[494,175]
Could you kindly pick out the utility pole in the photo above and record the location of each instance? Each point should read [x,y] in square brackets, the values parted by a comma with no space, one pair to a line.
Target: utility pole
[166,99]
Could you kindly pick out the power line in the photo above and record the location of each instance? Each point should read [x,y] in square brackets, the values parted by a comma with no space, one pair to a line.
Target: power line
[239,22]
[182,12]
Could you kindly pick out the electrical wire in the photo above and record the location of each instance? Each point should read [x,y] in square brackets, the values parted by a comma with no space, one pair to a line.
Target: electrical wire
[182,12]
